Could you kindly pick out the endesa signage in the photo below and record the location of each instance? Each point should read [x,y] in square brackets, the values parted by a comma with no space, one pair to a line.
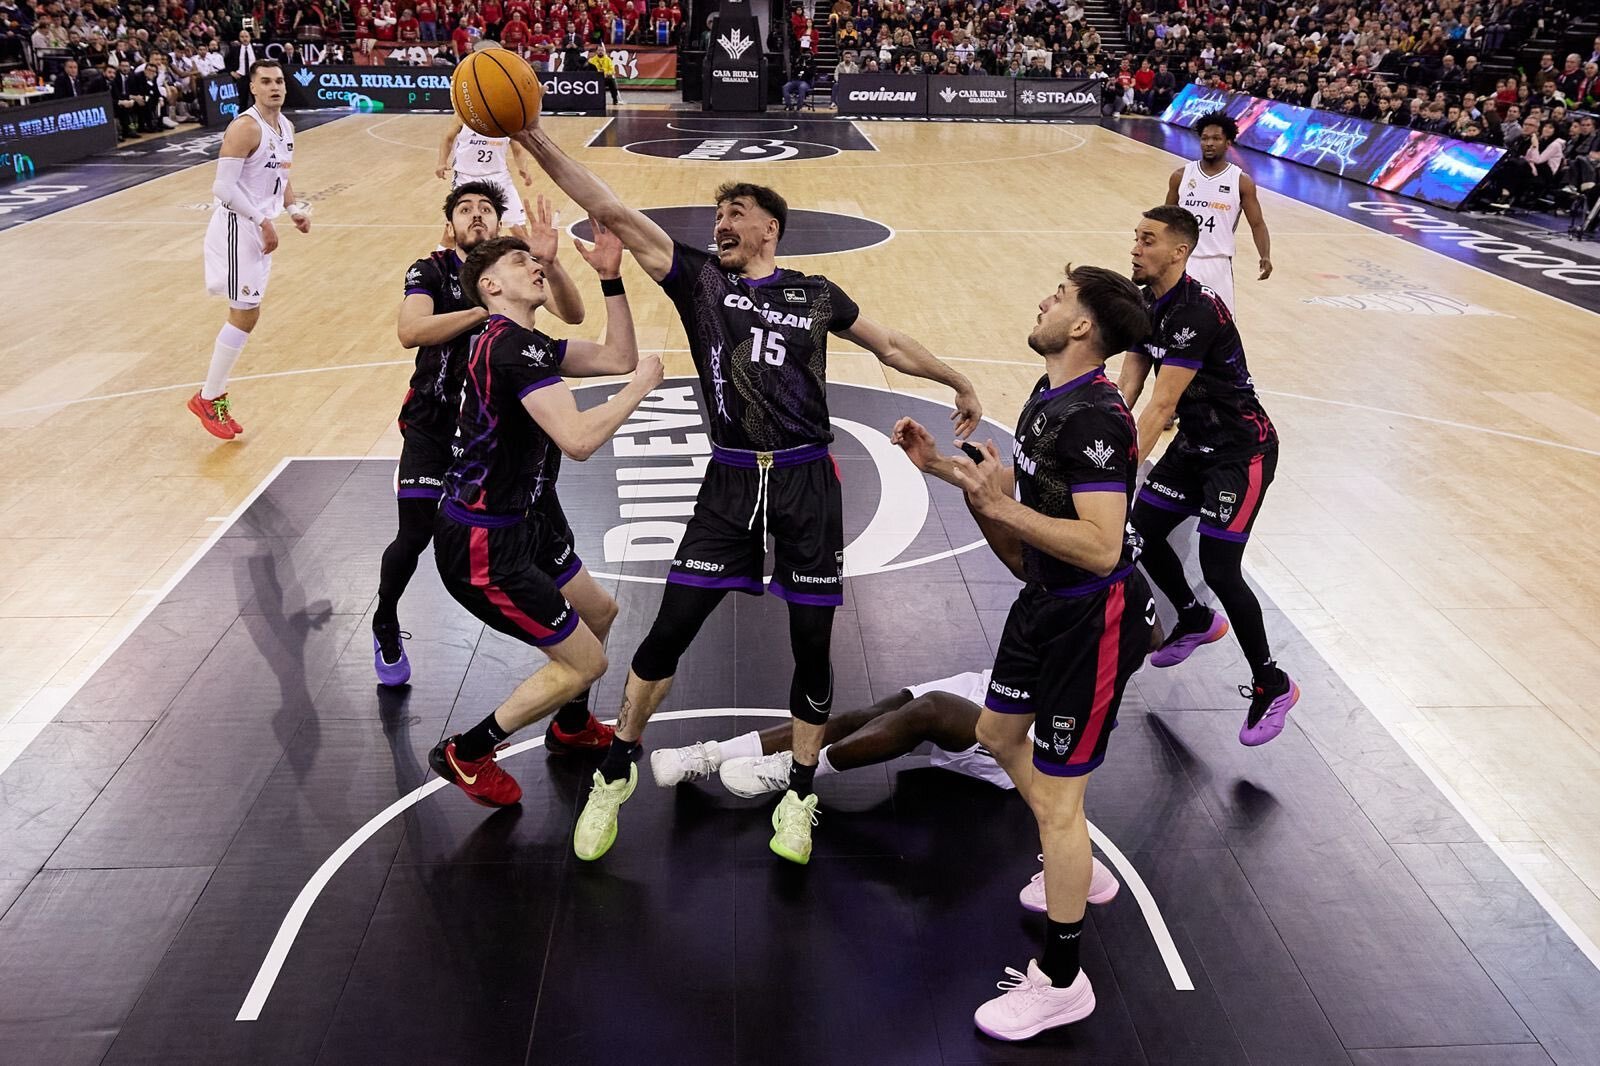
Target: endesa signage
[424,89]
[1424,166]
[969,96]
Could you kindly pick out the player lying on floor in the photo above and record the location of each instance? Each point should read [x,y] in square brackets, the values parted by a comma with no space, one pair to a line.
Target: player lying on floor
[939,719]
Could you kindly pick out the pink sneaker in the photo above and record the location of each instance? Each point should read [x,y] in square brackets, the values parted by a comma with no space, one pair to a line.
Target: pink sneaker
[1031,1004]
[1184,645]
[1103,886]
[1269,710]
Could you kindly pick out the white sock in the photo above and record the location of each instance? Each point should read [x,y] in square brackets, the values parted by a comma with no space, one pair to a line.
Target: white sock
[824,767]
[744,746]
[230,342]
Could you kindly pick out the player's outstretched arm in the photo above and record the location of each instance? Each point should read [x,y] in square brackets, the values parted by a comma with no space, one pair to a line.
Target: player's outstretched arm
[1092,541]
[544,243]
[619,352]
[579,434]
[648,242]
[446,148]
[918,444]
[1250,204]
[418,325]
[896,349]
[1170,384]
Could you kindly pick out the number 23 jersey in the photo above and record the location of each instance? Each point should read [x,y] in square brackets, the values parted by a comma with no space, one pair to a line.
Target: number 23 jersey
[760,348]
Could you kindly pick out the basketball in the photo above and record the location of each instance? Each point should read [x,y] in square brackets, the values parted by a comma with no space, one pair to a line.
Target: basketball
[495,92]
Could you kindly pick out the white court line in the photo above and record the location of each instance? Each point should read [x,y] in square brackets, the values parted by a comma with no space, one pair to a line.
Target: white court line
[197,384]
[1147,905]
[156,598]
[289,928]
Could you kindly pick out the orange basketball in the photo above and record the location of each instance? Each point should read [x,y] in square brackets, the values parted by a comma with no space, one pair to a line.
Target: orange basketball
[495,92]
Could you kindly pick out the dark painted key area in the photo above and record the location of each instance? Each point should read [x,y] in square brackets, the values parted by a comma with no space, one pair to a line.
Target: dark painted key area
[1326,902]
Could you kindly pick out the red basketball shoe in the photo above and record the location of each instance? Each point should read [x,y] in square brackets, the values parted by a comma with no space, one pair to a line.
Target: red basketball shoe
[482,779]
[594,736]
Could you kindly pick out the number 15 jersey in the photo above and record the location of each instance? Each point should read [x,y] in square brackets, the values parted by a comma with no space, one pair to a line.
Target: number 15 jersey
[760,348]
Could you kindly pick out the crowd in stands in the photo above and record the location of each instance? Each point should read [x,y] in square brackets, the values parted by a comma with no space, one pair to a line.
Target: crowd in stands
[152,57]
[1416,63]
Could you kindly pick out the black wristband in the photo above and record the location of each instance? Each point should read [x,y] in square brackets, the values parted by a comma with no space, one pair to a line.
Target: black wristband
[611,287]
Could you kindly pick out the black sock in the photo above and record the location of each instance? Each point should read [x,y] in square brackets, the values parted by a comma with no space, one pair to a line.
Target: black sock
[574,714]
[619,758]
[1194,617]
[802,779]
[1060,962]
[480,740]
[386,614]
[1267,676]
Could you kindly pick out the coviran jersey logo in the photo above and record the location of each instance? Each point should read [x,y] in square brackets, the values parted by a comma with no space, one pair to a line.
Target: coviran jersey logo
[629,503]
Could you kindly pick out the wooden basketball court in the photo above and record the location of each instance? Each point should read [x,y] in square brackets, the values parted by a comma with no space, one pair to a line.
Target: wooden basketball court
[1425,535]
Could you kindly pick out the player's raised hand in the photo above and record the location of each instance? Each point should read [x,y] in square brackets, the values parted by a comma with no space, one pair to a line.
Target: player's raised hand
[969,410]
[650,371]
[916,442]
[269,237]
[605,255]
[980,481]
[543,240]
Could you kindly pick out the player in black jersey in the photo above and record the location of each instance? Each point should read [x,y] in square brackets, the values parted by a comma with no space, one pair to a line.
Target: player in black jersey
[1058,518]
[758,336]
[1218,467]
[491,537]
[438,320]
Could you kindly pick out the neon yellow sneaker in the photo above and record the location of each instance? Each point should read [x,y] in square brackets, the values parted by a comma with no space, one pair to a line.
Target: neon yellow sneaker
[597,825]
[793,821]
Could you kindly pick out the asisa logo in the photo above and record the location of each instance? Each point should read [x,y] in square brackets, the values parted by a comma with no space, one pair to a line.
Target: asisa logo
[652,469]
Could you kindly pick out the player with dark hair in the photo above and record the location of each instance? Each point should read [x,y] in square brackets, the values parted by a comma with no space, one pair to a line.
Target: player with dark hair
[1217,192]
[1218,467]
[1080,627]
[758,336]
[498,542]
[938,719]
[252,186]
[438,320]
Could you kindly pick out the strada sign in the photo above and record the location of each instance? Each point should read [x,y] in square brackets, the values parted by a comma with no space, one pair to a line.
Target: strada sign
[971,96]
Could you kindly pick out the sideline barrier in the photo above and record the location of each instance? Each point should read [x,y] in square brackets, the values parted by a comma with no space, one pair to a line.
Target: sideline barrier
[426,89]
[970,96]
[54,132]
[1423,166]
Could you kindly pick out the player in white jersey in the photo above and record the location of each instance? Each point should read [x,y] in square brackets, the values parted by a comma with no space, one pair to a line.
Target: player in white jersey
[252,187]
[938,719]
[1217,192]
[470,156]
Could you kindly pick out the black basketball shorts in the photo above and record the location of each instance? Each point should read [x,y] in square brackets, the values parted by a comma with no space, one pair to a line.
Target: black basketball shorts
[555,549]
[1066,661]
[1225,491]
[491,568]
[795,495]
[424,458]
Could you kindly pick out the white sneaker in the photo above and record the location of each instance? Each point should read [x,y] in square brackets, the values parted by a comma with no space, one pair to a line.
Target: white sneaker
[1103,886]
[597,825]
[169,122]
[792,822]
[673,766]
[752,777]
[1031,1004]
